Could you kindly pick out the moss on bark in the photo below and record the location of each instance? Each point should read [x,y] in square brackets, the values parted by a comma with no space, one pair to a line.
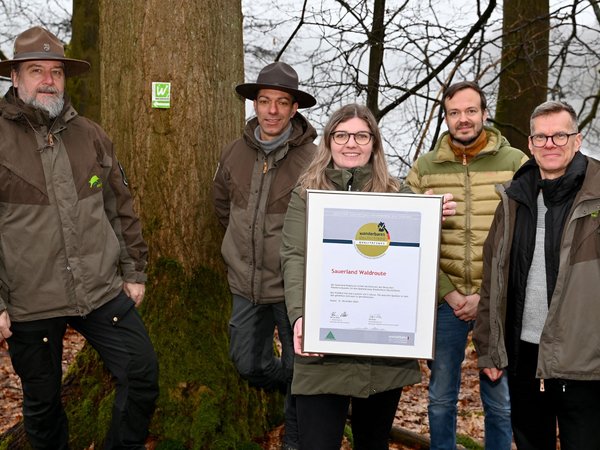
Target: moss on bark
[203,402]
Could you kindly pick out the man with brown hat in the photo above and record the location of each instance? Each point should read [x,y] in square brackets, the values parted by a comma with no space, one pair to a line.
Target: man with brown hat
[72,251]
[252,187]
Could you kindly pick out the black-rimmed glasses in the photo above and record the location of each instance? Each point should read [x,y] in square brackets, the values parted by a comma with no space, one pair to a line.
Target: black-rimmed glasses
[558,139]
[342,137]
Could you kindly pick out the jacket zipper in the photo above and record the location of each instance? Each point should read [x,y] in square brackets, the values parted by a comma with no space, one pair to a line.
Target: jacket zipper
[261,193]
[468,213]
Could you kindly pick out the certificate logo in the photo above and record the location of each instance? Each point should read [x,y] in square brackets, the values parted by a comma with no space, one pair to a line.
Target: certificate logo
[372,240]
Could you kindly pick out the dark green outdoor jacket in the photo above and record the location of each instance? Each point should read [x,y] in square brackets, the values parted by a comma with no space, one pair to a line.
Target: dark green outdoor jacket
[333,374]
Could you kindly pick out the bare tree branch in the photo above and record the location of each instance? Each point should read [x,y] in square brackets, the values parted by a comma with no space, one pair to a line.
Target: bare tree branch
[460,47]
[417,53]
[300,23]
[376,38]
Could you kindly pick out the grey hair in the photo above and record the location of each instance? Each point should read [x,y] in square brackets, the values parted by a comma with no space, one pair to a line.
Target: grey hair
[554,107]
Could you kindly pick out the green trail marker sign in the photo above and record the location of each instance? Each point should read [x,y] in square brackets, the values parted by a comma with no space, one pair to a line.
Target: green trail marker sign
[161,94]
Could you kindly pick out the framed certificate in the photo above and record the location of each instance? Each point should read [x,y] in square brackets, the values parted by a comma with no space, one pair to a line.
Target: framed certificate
[371,275]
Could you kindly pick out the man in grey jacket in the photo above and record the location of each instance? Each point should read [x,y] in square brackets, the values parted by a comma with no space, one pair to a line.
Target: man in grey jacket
[539,311]
[72,251]
[252,189]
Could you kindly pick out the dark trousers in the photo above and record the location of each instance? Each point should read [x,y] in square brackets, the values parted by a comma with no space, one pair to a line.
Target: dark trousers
[117,333]
[574,405]
[321,420]
[251,333]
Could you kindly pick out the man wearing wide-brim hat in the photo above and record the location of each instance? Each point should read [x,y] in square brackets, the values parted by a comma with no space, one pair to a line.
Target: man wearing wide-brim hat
[252,187]
[72,251]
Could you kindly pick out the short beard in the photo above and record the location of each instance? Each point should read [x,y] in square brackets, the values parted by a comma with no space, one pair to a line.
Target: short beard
[467,142]
[53,105]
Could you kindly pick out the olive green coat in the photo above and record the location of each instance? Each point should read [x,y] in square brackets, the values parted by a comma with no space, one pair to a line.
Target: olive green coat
[472,185]
[332,374]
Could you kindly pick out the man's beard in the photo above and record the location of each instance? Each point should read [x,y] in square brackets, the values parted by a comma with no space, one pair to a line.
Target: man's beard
[467,142]
[52,105]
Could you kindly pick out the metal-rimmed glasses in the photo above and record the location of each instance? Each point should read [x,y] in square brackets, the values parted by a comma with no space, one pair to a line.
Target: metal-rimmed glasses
[342,137]
[559,139]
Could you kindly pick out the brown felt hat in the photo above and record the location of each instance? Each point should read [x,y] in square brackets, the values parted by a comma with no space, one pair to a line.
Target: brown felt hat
[279,76]
[38,43]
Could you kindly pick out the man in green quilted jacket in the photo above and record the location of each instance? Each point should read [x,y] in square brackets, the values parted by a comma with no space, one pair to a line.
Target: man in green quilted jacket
[468,161]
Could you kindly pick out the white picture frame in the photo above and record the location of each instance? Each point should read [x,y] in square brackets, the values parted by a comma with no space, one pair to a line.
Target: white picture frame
[371,273]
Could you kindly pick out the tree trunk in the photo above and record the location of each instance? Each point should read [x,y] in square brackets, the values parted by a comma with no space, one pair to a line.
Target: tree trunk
[85,90]
[524,72]
[376,37]
[170,156]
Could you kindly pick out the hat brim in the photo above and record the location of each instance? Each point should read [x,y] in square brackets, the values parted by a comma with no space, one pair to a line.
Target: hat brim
[250,90]
[72,66]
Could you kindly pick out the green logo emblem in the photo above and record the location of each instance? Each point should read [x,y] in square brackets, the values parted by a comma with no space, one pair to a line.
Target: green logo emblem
[95,182]
[161,94]
[330,337]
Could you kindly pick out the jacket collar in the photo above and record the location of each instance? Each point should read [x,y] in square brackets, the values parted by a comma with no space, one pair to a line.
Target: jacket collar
[589,189]
[444,152]
[13,108]
[349,179]
[302,132]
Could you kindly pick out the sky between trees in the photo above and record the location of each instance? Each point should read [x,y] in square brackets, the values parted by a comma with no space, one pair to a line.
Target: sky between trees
[328,50]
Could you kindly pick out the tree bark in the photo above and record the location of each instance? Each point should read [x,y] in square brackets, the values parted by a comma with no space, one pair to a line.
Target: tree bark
[376,38]
[85,90]
[170,156]
[524,71]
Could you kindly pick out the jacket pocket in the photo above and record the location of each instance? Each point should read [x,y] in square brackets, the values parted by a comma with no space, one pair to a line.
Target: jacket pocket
[115,310]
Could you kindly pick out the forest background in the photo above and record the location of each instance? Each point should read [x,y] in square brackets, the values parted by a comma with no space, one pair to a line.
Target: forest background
[395,56]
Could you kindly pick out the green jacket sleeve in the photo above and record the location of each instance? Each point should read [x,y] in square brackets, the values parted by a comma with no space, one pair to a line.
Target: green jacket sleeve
[445,286]
[293,248]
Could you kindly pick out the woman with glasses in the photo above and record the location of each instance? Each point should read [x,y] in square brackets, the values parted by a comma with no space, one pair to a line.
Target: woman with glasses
[350,157]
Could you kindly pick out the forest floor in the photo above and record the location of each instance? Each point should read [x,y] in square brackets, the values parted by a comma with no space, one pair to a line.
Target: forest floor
[411,414]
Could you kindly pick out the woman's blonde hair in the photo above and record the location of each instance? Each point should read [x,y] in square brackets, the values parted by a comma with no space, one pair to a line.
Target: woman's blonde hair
[381,180]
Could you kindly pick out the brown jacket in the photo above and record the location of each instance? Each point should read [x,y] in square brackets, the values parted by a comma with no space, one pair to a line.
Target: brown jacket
[570,338]
[251,194]
[68,233]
